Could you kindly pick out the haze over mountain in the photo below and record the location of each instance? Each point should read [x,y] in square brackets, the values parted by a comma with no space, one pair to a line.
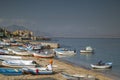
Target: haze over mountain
[15,27]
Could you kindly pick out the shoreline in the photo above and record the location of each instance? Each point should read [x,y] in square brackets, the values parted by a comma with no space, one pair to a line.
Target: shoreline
[111,76]
[58,67]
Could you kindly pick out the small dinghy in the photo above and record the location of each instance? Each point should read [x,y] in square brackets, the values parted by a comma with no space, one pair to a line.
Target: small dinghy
[102,66]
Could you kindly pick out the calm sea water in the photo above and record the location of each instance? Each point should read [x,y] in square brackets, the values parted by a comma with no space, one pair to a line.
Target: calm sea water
[106,49]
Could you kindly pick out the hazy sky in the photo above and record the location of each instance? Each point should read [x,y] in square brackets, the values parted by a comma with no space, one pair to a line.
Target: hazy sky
[64,18]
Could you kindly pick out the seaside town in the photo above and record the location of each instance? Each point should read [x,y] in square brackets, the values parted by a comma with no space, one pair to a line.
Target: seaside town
[24,57]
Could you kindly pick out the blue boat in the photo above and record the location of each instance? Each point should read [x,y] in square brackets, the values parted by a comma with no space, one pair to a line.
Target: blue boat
[10,71]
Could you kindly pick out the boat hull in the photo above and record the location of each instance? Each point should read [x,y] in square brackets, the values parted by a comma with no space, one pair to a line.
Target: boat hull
[18,63]
[37,71]
[10,71]
[105,66]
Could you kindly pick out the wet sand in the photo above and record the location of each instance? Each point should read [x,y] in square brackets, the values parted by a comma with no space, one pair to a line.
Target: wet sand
[58,67]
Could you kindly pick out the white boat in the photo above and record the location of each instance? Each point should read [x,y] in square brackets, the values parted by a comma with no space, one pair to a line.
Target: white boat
[7,57]
[78,76]
[62,52]
[102,66]
[19,63]
[37,70]
[44,54]
[21,52]
[2,51]
[88,49]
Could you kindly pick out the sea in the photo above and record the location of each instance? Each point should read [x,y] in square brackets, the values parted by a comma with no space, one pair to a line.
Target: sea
[105,49]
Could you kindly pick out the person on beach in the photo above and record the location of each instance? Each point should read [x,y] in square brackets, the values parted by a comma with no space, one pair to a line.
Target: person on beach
[49,66]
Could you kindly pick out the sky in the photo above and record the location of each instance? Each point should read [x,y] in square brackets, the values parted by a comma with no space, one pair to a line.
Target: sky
[64,18]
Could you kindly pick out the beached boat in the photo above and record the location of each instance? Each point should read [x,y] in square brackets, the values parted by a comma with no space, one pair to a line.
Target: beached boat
[88,49]
[37,70]
[10,71]
[21,52]
[78,76]
[63,52]
[31,47]
[8,57]
[102,66]
[2,51]
[19,63]
[1,46]
[44,54]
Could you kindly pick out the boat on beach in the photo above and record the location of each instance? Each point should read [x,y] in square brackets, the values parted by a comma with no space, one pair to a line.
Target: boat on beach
[10,71]
[3,52]
[8,57]
[78,76]
[37,70]
[88,49]
[63,52]
[21,52]
[43,54]
[19,63]
[102,66]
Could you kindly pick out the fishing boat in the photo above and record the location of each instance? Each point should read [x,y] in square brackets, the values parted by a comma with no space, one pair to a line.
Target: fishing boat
[102,66]
[78,76]
[37,70]
[19,63]
[10,71]
[21,52]
[88,49]
[3,52]
[44,54]
[8,57]
[63,52]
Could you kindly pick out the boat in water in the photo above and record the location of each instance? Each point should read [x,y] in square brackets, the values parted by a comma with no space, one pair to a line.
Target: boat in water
[88,49]
[106,65]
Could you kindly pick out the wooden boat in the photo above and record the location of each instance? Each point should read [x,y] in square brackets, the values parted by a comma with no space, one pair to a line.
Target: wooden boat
[37,70]
[44,54]
[19,63]
[7,57]
[78,77]
[102,66]
[88,49]
[10,71]
[63,52]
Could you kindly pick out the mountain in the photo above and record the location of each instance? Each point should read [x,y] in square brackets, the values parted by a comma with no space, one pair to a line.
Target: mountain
[15,27]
